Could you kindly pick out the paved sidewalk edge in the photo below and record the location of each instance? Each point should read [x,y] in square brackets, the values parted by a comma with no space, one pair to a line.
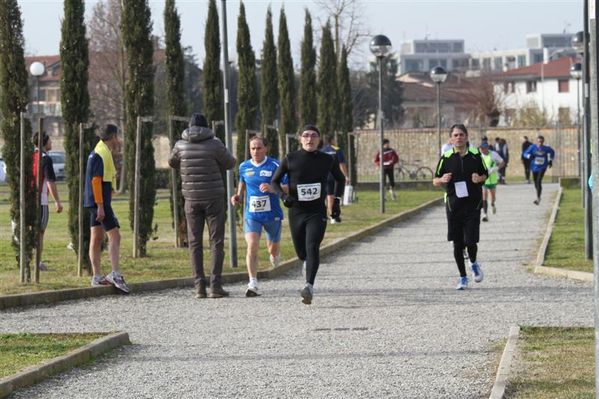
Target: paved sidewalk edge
[554,271]
[503,371]
[34,374]
[54,296]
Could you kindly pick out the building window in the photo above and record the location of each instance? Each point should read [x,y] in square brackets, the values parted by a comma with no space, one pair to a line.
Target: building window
[498,63]
[521,61]
[531,86]
[486,64]
[563,86]
[413,65]
[475,64]
[508,87]
[536,58]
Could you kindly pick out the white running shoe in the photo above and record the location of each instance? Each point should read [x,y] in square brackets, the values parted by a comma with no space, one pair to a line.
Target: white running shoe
[462,283]
[116,279]
[307,293]
[485,218]
[252,291]
[275,261]
[477,272]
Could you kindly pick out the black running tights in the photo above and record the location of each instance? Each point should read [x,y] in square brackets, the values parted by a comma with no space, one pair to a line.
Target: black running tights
[307,231]
[538,178]
[458,254]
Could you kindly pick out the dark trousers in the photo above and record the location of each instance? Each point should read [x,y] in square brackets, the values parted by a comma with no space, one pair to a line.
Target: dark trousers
[307,231]
[526,163]
[211,212]
[390,176]
[538,176]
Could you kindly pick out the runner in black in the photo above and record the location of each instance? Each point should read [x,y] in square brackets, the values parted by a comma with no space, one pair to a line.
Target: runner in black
[308,169]
[461,172]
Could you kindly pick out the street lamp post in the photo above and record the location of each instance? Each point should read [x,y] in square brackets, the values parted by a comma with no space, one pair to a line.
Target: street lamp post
[438,75]
[580,44]
[380,46]
[37,69]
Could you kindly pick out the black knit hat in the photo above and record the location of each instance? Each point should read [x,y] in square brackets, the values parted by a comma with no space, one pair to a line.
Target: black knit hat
[198,120]
[312,128]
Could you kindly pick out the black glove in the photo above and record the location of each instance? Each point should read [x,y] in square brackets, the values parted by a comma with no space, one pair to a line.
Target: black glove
[288,200]
[550,163]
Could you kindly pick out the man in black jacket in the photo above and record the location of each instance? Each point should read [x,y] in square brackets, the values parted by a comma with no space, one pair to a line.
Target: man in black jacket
[202,160]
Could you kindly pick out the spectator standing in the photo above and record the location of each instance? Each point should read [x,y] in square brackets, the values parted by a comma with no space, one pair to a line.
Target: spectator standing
[48,186]
[202,160]
[100,182]
[334,203]
[525,161]
[390,159]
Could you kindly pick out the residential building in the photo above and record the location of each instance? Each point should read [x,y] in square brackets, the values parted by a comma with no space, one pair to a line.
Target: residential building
[48,102]
[544,87]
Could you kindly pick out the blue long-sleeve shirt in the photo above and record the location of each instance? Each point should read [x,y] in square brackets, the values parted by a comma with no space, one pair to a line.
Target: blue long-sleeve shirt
[540,156]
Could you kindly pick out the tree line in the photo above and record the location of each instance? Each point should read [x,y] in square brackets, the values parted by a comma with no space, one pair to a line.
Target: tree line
[268,95]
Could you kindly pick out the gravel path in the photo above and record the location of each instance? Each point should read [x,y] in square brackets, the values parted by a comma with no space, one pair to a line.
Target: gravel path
[385,322]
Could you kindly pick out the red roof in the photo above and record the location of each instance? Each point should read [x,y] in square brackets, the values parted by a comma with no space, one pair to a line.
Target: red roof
[559,68]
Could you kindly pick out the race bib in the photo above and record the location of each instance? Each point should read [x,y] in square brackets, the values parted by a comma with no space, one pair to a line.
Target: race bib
[539,160]
[461,190]
[308,192]
[259,203]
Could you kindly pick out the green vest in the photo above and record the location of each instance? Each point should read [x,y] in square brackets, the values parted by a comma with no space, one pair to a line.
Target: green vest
[489,163]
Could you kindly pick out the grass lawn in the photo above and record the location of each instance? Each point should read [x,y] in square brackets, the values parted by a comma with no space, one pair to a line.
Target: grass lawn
[18,351]
[553,362]
[566,246]
[164,261]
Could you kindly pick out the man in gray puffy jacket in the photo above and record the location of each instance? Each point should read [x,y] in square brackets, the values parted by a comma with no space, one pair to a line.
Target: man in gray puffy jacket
[202,159]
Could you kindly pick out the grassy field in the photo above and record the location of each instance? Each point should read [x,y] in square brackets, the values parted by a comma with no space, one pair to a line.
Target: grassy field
[566,246]
[18,351]
[164,260]
[553,362]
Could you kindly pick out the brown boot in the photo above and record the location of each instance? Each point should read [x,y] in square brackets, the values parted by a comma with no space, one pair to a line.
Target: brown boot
[217,291]
[201,290]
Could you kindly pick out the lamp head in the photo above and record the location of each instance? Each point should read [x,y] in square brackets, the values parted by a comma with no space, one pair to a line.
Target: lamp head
[37,69]
[438,74]
[380,46]
[576,70]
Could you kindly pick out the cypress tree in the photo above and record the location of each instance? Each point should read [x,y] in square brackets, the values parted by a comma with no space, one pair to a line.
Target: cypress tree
[175,94]
[269,96]
[286,82]
[136,29]
[13,100]
[327,84]
[74,59]
[213,82]
[247,96]
[307,88]
[346,118]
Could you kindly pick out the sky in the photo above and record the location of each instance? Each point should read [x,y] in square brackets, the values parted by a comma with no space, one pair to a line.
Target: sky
[484,25]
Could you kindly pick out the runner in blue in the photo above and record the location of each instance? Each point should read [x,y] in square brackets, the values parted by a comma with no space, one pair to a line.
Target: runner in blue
[262,208]
[541,157]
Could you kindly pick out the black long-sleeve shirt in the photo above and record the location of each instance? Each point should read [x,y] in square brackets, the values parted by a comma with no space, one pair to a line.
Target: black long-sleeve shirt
[308,173]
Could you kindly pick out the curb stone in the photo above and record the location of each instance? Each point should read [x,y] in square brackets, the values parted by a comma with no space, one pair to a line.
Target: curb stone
[34,374]
[503,371]
[554,271]
[54,296]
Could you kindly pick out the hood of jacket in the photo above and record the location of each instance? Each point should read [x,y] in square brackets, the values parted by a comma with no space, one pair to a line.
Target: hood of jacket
[195,134]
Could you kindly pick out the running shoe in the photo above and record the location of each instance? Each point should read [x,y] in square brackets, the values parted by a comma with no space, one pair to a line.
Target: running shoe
[462,283]
[477,272]
[307,293]
[275,261]
[493,209]
[116,279]
[485,218]
[333,220]
[251,291]
[98,281]
[536,202]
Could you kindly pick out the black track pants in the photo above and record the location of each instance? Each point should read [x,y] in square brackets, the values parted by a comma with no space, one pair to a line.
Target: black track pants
[538,178]
[307,231]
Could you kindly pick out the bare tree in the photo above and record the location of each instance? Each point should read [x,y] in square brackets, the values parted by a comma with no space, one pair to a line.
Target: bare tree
[347,19]
[479,95]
